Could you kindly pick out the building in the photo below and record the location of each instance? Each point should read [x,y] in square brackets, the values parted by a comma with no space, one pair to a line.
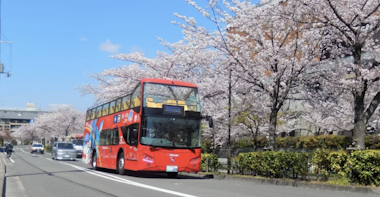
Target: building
[11,119]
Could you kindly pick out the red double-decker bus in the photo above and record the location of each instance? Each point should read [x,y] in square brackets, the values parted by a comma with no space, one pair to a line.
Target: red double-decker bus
[155,128]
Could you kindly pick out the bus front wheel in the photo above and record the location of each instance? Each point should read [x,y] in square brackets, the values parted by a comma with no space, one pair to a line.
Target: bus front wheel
[120,163]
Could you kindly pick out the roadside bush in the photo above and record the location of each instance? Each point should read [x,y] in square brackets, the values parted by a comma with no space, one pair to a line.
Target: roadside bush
[47,148]
[338,163]
[274,164]
[365,167]
[321,163]
[372,142]
[250,143]
[14,142]
[210,160]
[206,145]
[307,142]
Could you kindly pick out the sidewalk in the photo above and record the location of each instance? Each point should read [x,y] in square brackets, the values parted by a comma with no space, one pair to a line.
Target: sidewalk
[287,182]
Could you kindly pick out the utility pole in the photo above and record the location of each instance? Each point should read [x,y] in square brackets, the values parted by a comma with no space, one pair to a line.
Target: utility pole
[229,122]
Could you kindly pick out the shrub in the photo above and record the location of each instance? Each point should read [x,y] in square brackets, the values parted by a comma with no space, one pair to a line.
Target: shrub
[273,164]
[372,142]
[210,160]
[206,145]
[47,148]
[307,142]
[337,163]
[365,167]
[321,163]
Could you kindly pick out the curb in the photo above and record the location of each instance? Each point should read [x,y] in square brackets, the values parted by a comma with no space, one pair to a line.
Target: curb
[2,176]
[291,183]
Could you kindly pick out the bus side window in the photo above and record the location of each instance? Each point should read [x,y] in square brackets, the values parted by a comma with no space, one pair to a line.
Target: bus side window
[136,99]
[88,115]
[99,112]
[128,134]
[102,139]
[116,136]
[112,107]
[125,102]
[93,111]
[105,109]
[118,105]
[109,137]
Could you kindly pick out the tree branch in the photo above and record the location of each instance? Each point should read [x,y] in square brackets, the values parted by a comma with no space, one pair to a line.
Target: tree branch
[372,106]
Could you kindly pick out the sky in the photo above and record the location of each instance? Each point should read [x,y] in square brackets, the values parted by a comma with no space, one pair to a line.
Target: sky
[57,43]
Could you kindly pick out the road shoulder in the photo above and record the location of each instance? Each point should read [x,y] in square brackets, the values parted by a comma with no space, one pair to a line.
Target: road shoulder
[2,172]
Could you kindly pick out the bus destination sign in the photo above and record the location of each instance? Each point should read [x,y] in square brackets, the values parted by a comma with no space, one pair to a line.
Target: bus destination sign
[173,110]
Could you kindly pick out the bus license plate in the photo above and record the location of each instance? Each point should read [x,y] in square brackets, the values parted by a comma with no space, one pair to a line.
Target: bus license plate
[171,168]
[67,155]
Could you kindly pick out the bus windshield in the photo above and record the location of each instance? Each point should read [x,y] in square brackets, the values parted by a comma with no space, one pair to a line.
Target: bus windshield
[171,132]
[156,95]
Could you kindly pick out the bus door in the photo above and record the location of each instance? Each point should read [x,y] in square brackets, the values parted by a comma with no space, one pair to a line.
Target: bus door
[103,149]
[130,151]
[108,148]
[113,147]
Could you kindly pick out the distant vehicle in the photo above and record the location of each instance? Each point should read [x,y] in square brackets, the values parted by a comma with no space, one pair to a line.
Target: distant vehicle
[39,148]
[156,128]
[78,145]
[63,151]
[73,136]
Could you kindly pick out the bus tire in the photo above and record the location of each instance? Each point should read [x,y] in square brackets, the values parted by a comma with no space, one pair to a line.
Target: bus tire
[120,164]
[172,174]
[94,163]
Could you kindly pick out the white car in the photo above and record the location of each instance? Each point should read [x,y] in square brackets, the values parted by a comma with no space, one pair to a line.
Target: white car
[78,145]
[37,148]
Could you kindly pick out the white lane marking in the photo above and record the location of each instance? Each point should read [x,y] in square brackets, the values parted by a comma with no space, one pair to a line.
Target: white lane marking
[121,180]
[23,151]
[49,159]
[11,160]
[39,156]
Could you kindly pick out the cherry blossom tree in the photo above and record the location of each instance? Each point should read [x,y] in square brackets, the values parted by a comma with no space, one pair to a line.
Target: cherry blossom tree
[349,29]
[272,52]
[268,58]
[58,123]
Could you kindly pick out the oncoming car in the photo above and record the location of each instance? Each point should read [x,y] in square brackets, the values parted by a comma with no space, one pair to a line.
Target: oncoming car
[63,151]
[37,148]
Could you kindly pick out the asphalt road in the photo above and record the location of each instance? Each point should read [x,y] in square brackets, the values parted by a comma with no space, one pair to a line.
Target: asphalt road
[37,175]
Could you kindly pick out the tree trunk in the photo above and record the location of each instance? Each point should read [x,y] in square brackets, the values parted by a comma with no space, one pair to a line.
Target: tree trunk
[272,129]
[229,124]
[255,137]
[360,121]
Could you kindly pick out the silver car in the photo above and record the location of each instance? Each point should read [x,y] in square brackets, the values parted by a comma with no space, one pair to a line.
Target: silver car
[63,151]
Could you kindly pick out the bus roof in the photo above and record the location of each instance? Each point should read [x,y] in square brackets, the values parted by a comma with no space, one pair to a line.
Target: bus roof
[151,80]
[169,82]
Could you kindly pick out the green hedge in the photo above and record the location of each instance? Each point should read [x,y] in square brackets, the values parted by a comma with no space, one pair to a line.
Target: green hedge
[47,148]
[309,142]
[365,167]
[362,167]
[209,160]
[274,164]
